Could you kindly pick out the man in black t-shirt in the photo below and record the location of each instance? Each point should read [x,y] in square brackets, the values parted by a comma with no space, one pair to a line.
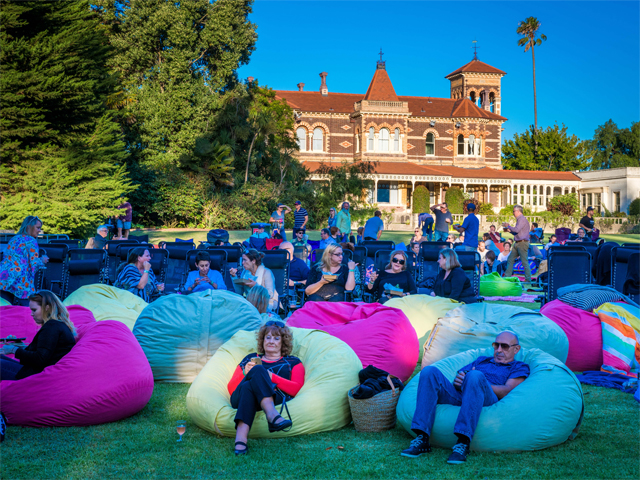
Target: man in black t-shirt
[587,222]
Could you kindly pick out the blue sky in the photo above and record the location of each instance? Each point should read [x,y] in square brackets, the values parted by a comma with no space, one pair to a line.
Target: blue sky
[586,72]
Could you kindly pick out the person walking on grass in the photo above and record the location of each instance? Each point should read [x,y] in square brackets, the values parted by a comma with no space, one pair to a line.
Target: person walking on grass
[520,248]
[344,221]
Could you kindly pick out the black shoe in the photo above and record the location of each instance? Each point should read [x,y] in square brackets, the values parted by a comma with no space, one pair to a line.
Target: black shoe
[459,455]
[419,445]
[277,427]
[243,451]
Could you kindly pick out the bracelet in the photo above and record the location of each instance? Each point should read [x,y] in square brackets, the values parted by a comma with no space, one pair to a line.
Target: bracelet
[147,271]
[352,271]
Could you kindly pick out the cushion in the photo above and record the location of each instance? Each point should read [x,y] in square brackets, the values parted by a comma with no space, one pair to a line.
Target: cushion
[620,338]
[544,410]
[423,311]
[104,378]
[180,333]
[583,331]
[493,285]
[477,325]
[590,299]
[331,369]
[381,336]
[108,303]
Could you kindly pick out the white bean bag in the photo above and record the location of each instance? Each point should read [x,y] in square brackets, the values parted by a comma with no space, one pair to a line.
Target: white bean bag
[180,333]
[544,410]
[468,327]
[331,369]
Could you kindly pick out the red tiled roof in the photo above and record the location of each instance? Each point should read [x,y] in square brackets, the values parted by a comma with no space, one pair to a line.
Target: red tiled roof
[407,168]
[381,87]
[478,67]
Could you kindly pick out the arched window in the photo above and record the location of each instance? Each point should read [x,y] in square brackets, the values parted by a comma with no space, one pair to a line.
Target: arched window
[383,140]
[370,140]
[430,147]
[396,140]
[479,147]
[472,97]
[480,101]
[460,144]
[318,139]
[471,150]
[301,133]
[357,142]
[492,102]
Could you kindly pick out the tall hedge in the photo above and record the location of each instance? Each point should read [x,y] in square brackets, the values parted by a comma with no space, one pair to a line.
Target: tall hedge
[634,207]
[455,199]
[421,201]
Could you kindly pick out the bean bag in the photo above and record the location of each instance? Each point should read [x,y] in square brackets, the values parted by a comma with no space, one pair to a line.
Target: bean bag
[493,285]
[381,336]
[180,333]
[583,331]
[108,303]
[544,410]
[104,378]
[331,369]
[477,325]
[4,303]
[423,311]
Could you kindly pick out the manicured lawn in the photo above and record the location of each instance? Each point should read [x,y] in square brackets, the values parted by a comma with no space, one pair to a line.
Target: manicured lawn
[144,446]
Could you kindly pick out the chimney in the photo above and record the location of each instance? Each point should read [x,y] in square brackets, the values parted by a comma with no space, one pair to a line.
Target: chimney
[301,87]
[250,79]
[323,86]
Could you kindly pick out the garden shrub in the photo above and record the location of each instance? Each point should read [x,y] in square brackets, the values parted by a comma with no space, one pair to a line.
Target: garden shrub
[454,199]
[485,209]
[421,201]
[634,207]
[566,204]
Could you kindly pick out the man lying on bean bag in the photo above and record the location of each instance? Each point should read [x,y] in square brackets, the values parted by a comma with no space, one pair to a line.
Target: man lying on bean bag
[480,384]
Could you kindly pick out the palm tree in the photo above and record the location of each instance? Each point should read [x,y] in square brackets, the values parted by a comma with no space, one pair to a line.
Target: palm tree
[528,29]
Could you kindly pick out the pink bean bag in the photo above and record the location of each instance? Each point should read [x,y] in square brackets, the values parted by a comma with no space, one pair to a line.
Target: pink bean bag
[380,336]
[104,378]
[584,332]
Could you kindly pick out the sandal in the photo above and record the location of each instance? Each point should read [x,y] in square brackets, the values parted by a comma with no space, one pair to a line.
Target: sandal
[277,427]
[241,452]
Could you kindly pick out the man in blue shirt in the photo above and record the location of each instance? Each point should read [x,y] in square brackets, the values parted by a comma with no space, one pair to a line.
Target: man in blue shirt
[482,383]
[300,216]
[374,227]
[426,221]
[471,228]
[325,238]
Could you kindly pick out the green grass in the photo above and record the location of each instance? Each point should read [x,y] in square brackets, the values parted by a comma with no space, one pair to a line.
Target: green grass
[144,446]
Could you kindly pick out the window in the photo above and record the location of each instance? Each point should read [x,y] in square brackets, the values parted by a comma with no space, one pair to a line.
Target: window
[357,142]
[480,101]
[430,145]
[616,201]
[383,140]
[396,140]
[370,140]
[383,192]
[471,145]
[318,140]
[460,144]
[302,139]
[492,102]
[472,97]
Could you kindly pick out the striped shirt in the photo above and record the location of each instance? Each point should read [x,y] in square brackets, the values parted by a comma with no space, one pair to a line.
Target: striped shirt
[299,217]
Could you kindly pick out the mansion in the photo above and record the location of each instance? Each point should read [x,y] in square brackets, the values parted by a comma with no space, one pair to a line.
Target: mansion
[435,142]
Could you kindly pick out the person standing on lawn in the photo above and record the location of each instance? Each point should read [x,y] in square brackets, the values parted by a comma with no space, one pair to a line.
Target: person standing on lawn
[482,383]
[520,247]
[374,227]
[443,220]
[124,221]
[470,228]
[277,218]
[301,217]
[588,223]
[344,221]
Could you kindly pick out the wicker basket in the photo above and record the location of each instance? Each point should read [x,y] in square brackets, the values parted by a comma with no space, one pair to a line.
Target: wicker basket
[377,413]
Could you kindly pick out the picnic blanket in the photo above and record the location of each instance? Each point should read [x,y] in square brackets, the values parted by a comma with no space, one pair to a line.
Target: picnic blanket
[620,338]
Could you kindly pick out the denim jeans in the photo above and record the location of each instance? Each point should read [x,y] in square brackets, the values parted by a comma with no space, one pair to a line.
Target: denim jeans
[439,236]
[9,368]
[434,389]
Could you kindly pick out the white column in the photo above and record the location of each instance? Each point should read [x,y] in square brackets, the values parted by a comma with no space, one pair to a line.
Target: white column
[413,189]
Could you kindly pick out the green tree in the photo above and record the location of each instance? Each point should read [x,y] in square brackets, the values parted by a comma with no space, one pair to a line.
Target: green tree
[454,197]
[614,147]
[421,199]
[557,151]
[528,30]
[62,153]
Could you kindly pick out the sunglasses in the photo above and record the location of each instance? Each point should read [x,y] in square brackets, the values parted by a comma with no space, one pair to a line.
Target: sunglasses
[271,323]
[339,254]
[395,260]
[504,346]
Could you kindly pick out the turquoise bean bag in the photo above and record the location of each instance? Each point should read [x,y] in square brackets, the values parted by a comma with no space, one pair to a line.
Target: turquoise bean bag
[544,410]
[467,327]
[493,285]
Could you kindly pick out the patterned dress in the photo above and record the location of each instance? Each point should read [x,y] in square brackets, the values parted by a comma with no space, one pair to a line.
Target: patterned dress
[19,267]
[129,278]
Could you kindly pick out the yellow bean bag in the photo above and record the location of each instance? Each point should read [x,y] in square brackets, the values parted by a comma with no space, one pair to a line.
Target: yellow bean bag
[544,410]
[180,333]
[423,311]
[108,303]
[331,369]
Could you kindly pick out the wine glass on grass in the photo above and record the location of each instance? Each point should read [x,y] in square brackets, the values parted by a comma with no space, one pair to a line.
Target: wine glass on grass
[181,427]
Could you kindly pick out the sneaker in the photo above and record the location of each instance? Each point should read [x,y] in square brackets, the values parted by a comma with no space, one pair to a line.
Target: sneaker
[459,454]
[418,446]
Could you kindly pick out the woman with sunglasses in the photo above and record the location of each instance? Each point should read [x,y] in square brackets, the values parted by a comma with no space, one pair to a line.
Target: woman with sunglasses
[395,274]
[417,236]
[264,379]
[451,281]
[330,278]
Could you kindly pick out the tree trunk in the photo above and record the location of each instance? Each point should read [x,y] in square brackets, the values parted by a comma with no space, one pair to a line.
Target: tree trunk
[535,106]
[246,173]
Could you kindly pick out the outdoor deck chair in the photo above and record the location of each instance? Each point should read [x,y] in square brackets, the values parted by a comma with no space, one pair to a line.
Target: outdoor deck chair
[140,238]
[632,282]
[70,243]
[110,248]
[562,234]
[567,267]
[176,264]
[373,246]
[122,253]
[620,263]
[84,267]
[218,262]
[159,259]
[217,234]
[56,269]
[234,260]
[470,264]
[278,262]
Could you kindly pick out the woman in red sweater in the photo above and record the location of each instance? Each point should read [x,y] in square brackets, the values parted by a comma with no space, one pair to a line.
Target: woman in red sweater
[263,380]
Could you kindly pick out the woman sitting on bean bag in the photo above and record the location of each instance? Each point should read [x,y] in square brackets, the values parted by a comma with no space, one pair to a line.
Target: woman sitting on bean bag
[452,282]
[53,341]
[395,274]
[255,273]
[329,278]
[263,380]
[137,277]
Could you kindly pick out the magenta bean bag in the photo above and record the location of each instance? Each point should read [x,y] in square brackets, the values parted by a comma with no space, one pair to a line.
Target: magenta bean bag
[380,336]
[584,331]
[104,378]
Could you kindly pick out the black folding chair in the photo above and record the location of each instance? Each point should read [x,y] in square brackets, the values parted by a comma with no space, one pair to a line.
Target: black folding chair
[42,239]
[427,260]
[122,254]
[70,243]
[218,262]
[316,255]
[619,264]
[234,260]
[175,264]
[470,264]
[56,268]
[110,248]
[139,238]
[84,267]
[278,262]
[374,246]
[159,259]
[630,286]
[567,267]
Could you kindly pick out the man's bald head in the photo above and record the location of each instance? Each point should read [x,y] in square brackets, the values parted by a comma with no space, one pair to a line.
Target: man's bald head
[505,347]
[288,246]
